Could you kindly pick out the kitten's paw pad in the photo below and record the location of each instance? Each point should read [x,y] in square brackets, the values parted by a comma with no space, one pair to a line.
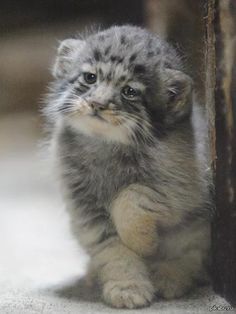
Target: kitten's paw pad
[128,294]
[171,284]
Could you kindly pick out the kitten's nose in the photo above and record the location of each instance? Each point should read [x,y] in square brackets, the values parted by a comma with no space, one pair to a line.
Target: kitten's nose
[98,106]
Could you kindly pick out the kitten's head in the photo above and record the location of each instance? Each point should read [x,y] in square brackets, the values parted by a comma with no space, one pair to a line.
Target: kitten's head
[123,84]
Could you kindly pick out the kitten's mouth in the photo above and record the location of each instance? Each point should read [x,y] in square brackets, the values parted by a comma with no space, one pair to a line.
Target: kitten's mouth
[95,114]
[105,116]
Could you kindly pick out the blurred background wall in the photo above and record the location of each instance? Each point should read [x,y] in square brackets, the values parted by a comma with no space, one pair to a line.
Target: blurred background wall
[30,30]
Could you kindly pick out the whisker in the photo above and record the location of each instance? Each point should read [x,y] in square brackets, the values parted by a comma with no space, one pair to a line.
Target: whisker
[143,130]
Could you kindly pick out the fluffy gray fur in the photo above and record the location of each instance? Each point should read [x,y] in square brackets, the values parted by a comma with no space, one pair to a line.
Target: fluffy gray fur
[137,192]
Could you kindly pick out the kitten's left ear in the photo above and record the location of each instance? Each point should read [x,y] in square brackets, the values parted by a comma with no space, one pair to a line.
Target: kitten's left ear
[66,55]
[178,88]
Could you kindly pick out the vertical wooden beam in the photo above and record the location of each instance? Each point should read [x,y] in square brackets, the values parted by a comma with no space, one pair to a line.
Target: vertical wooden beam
[210,79]
[224,224]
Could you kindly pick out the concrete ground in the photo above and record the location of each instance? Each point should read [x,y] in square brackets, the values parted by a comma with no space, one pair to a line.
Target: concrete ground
[40,263]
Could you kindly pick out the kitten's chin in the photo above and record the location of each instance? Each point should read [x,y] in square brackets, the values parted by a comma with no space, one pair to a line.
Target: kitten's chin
[98,127]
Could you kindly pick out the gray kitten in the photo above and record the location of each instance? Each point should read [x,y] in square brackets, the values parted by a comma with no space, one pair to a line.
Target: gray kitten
[120,115]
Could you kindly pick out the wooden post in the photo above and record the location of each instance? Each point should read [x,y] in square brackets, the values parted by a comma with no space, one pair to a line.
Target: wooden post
[221,28]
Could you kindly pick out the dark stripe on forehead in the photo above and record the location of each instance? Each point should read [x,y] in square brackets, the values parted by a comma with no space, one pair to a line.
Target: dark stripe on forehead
[100,72]
[108,78]
[133,57]
[122,78]
[97,55]
[107,50]
[114,58]
[120,60]
[122,39]
[139,69]
[150,54]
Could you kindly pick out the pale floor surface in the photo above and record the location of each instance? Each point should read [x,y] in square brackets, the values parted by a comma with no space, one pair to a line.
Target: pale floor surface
[40,262]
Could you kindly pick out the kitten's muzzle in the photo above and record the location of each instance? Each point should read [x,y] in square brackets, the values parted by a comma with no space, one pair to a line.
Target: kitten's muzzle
[96,106]
[96,109]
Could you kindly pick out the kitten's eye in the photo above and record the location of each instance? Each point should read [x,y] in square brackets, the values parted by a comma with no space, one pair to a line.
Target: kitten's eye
[90,78]
[130,92]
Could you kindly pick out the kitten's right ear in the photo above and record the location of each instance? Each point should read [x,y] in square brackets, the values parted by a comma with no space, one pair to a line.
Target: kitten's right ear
[66,54]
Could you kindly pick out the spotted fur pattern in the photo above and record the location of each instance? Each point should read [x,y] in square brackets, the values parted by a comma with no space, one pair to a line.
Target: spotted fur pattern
[120,115]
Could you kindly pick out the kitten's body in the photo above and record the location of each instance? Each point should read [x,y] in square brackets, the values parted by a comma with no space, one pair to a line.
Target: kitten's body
[138,201]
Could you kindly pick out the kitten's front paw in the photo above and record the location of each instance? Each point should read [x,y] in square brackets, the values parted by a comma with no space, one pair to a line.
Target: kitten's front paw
[128,294]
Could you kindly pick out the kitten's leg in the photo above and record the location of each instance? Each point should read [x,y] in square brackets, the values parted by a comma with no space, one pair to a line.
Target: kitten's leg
[124,276]
[184,259]
[136,214]
[174,278]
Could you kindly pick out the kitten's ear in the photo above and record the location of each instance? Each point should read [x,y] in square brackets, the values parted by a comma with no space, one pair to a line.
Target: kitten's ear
[178,87]
[66,54]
